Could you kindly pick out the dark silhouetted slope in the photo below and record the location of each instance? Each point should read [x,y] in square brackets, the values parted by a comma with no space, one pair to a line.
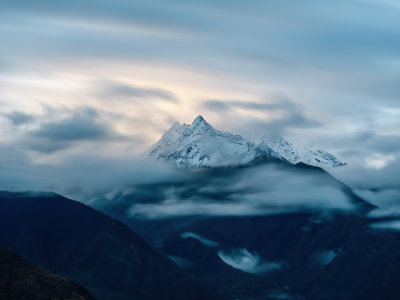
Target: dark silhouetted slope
[76,241]
[21,279]
[322,257]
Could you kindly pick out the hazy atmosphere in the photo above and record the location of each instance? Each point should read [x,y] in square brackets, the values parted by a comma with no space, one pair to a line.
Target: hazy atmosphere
[200,150]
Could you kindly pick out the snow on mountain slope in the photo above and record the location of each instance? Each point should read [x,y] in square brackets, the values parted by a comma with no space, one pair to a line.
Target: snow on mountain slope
[295,154]
[201,145]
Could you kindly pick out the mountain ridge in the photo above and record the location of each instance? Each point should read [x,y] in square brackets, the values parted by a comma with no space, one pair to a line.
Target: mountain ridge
[21,279]
[201,145]
[78,242]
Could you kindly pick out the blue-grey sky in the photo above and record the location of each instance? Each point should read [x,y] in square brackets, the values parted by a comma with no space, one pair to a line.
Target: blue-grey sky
[108,77]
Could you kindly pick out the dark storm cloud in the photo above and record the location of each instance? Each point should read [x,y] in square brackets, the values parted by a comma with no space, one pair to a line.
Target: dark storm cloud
[19,118]
[81,125]
[84,125]
[113,90]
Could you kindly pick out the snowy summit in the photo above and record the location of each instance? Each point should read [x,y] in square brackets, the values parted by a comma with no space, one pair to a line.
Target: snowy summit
[201,145]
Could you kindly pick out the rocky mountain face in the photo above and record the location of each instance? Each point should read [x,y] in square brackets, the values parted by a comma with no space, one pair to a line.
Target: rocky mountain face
[201,145]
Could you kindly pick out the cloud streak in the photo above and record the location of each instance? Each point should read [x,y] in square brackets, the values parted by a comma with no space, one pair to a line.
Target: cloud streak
[206,242]
[246,261]
[276,115]
[135,93]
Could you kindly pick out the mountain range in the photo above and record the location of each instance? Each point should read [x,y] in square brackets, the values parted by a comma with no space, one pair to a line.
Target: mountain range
[73,240]
[250,219]
[301,254]
[201,145]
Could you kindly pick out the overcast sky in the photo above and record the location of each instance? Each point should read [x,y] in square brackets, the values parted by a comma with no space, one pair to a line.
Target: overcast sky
[106,78]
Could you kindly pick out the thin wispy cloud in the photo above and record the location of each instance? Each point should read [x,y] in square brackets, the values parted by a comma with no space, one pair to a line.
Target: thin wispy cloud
[249,262]
[114,90]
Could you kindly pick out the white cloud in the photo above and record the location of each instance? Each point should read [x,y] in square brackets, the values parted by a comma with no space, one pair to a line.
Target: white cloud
[246,261]
[255,191]
[203,240]
[387,225]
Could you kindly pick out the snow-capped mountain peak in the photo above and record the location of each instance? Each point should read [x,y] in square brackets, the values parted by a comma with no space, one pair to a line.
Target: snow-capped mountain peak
[199,127]
[199,121]
[201,145]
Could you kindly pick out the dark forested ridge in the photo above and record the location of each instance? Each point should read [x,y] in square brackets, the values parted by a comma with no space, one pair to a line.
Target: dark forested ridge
[21,279]
[104,255]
